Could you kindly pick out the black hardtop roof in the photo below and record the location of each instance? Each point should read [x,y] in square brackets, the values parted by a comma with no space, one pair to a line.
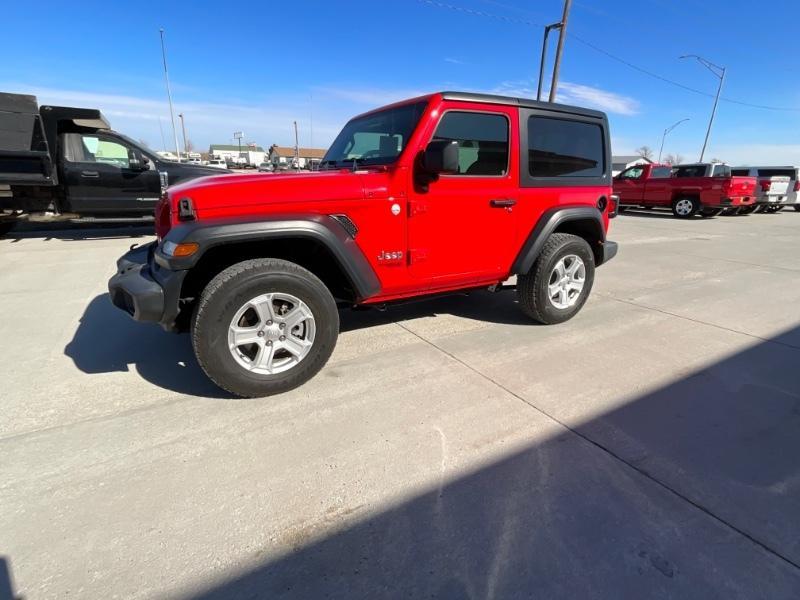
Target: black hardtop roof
[522,102]
[494,99]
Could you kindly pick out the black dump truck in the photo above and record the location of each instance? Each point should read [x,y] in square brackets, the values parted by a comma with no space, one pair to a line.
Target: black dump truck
[62,163]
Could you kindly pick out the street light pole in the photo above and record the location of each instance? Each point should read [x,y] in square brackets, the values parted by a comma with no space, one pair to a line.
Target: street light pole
[666,131]
[296,149]
[562,33]
[183,128]
[169,95]
[547,30]
[719,72]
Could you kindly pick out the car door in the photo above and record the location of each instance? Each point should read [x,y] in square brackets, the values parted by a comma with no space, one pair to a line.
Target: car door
[461,225]
[629,185]
[659,191]
[102,177]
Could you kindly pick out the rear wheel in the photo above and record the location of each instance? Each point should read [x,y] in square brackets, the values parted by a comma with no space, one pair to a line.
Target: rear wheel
[797,207]
[264,326]
[683,208]
[746,210]
[559,282]
[711,212]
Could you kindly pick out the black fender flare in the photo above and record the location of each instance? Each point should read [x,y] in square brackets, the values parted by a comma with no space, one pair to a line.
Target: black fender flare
[589,216]
[323,229]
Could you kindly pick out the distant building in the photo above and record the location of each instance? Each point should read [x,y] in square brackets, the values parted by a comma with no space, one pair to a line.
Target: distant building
[622,162]
[283,156]
[253,155]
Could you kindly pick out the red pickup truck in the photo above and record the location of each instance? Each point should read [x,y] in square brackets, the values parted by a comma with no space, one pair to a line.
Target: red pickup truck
[444,192]
[706,189]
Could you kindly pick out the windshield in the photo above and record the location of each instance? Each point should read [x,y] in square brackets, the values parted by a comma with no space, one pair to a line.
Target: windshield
[375,139]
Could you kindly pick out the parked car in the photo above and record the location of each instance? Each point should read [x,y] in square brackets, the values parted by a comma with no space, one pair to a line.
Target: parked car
[217,163]
[63,163]
[777,187]
[442,193]
[706,189]
[266,167]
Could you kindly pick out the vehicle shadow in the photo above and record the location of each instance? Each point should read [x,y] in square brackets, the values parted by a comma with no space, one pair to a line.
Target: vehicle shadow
[107,340]
[688,491]
[499,307]
[76,232]
[7,581]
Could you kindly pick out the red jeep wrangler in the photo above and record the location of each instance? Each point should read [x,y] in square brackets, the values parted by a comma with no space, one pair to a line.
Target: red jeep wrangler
[445,192]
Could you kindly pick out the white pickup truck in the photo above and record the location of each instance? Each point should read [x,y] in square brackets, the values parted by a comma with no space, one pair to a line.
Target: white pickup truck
[777,187]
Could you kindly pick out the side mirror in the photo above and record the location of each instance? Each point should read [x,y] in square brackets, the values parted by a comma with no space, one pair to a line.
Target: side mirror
[139,162]
[441,156]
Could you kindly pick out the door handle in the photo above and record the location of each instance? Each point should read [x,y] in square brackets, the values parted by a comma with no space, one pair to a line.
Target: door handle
[502,202]
[90,174]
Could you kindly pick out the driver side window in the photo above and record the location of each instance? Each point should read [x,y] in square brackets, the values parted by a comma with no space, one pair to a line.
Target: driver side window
[482,141]
[632,173]
[91,148]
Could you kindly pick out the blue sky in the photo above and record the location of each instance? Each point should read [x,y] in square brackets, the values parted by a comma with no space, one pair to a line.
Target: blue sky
[259,68]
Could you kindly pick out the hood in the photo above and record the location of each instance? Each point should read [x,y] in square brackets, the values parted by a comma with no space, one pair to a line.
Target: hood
[239,194]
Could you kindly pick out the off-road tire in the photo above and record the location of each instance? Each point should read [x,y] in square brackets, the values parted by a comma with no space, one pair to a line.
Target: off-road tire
[695,207]
[532,291]
[707,213]
[6,226]
[228,292]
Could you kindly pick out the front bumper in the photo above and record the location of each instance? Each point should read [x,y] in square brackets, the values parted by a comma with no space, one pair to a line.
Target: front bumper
[609,251]
[145,290]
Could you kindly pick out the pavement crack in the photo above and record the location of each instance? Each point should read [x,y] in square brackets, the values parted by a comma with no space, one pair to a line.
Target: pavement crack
[700,322]
[607,450]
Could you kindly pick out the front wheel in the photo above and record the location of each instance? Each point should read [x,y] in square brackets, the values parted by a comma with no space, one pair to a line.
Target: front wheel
[683,208]
[558,284]
[263,327]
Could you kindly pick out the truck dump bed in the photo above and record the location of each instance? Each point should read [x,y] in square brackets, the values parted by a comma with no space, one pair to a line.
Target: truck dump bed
[24,155]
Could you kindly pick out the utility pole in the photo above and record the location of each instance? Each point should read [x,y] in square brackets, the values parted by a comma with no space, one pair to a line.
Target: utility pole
[296,149]
[169,95]
[719,72]
[562,33]
[666,131]
[544,57]
[183,128]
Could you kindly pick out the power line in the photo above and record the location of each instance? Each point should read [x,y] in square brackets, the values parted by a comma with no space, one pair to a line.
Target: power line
[588,44]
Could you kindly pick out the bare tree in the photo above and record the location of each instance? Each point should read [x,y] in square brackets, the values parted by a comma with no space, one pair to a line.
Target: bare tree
[716,161]
[645,152]
[673,159]
[189,146]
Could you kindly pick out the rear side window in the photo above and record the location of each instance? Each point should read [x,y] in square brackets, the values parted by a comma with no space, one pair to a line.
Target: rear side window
[660,172]
[562,148]
[689,171]
[482,141]
[776,173]
[740,172]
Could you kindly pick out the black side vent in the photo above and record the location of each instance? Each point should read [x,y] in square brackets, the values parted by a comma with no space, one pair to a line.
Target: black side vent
[348,224]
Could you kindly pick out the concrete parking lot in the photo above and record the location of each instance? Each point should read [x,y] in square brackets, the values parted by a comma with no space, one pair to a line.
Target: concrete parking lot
[450,449]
